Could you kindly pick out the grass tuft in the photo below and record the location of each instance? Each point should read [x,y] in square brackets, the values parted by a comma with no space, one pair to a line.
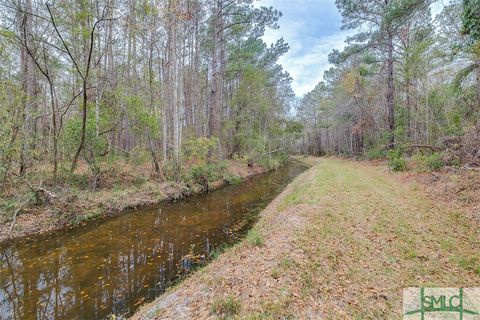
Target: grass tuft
[226,307]
[255,238]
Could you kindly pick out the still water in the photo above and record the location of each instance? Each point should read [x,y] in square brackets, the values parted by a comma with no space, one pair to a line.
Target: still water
[112,267]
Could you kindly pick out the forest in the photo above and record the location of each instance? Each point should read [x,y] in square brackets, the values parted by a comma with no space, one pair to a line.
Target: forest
[407,86]
[94,91]
[111,95]
[89,82]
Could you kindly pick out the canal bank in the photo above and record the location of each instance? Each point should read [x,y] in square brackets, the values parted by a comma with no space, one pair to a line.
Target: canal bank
[71,208]
[340,242]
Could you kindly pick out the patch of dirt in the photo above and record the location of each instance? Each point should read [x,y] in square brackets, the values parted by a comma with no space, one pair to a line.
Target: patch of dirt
[244,171]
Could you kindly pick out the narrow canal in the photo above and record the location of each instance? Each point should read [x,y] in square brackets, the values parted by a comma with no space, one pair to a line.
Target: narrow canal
[113,266]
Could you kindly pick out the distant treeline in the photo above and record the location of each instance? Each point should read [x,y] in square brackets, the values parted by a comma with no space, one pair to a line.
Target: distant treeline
[405,84]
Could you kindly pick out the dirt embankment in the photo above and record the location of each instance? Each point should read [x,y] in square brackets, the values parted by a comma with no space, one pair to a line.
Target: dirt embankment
[128,188]
[341,242]
[456,188]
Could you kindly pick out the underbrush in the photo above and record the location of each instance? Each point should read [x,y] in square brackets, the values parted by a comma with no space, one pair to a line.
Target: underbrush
[205,174]
[119,184]
[399,160]
[376,153]
[431,162]
[273,162]
[396,161]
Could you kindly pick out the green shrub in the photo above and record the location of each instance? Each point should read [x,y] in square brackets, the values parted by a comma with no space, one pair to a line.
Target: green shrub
[376,153]
[205,173]
[226,307]
[231,178]
[72,133]
[432,162]
[455,162]
[200,148]
[435,161]
[396,161]
[397,164]
[80,218]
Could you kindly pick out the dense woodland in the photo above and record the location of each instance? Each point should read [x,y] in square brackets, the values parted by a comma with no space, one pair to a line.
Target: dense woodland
[83,83]
[406,82]
[87,82]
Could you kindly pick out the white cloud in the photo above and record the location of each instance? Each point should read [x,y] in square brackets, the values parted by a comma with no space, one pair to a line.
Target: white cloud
[307,67]
[311,40]
[307,59]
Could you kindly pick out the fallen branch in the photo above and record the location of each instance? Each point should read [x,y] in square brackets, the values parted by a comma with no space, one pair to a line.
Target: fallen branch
[426,146]
[16,214]
[42,193]
[270,152]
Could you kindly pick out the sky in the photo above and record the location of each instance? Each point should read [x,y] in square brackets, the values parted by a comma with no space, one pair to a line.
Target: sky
[312,28]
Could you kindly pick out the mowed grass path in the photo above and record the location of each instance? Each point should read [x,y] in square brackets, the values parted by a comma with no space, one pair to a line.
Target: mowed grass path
[370,236]
[341,242]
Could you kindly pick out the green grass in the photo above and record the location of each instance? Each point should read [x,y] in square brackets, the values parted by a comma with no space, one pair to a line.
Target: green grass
[80,218]
[255,238]
[226,308]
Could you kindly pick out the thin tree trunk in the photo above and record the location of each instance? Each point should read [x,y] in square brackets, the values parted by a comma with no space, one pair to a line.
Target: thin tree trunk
[390,92]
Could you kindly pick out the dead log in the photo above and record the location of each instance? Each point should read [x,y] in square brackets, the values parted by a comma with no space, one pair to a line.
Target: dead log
[42,194]
[424,146]
[20,208]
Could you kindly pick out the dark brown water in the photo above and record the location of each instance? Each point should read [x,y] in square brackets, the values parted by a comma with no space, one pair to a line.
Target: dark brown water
[111,267]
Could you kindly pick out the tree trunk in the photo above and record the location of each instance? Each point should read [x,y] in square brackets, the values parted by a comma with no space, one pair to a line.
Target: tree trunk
[27,68]
[390,92]
[408,107]
[477,78]
[55,131]
[216,66]
[173,83]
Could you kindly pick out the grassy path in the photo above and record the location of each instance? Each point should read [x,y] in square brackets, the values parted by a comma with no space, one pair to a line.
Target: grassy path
[341,242]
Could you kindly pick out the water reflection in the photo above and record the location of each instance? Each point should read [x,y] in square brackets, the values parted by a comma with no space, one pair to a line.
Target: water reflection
[112,267]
